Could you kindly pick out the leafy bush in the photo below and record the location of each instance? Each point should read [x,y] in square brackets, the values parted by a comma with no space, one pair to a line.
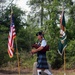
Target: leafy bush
[70,55]
[54,59]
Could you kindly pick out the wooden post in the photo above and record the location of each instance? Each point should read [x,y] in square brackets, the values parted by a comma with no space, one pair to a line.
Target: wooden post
[64,63]
[17,56]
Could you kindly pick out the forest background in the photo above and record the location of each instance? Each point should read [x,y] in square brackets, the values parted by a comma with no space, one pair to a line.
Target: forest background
[44,15]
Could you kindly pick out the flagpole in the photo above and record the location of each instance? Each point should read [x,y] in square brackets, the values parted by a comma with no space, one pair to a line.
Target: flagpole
[16,46]
[64,63]
[64,49]
[17,56]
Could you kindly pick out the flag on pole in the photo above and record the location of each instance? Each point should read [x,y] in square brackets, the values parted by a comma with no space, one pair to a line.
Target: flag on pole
[11,37]
[62,41]
[62,21]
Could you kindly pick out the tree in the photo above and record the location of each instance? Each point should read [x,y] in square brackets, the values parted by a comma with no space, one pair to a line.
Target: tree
[70,23]
[4,31]
[51,11]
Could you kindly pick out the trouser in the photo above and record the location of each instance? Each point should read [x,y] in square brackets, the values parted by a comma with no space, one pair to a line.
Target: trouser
[44,72]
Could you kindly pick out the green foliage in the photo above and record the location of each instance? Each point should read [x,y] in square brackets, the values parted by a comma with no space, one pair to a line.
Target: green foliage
[25,39]
[44,16]
[4,31]
[4,58]
[70,55]
[27,60]
[54,59]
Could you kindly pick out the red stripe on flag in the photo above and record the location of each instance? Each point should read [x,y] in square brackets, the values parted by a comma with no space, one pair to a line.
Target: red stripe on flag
[12,35]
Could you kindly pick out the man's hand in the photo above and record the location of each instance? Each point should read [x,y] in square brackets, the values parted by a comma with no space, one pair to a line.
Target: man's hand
[33,51]
[36,50]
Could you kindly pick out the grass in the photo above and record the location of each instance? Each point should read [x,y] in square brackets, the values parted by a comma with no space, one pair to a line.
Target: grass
[55,72]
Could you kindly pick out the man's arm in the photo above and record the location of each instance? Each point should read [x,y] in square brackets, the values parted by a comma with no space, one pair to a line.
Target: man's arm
[43,44]
[36,50]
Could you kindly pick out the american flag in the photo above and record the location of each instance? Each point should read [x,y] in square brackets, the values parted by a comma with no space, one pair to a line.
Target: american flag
[11,37]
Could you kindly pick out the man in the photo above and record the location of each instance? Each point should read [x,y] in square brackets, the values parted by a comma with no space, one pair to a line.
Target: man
[42,64]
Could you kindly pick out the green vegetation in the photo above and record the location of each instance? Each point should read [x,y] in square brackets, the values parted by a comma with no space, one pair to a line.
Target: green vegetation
[44,16]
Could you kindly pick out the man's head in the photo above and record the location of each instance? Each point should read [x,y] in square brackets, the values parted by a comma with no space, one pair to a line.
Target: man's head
[39,35]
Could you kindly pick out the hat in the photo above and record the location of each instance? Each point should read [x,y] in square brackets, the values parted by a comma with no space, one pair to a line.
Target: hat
[39,33]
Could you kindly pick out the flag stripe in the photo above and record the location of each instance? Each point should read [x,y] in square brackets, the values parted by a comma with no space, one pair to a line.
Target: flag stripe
[12,35]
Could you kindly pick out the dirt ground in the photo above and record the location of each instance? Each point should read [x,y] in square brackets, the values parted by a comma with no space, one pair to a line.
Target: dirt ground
[29,72]
[15,71]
